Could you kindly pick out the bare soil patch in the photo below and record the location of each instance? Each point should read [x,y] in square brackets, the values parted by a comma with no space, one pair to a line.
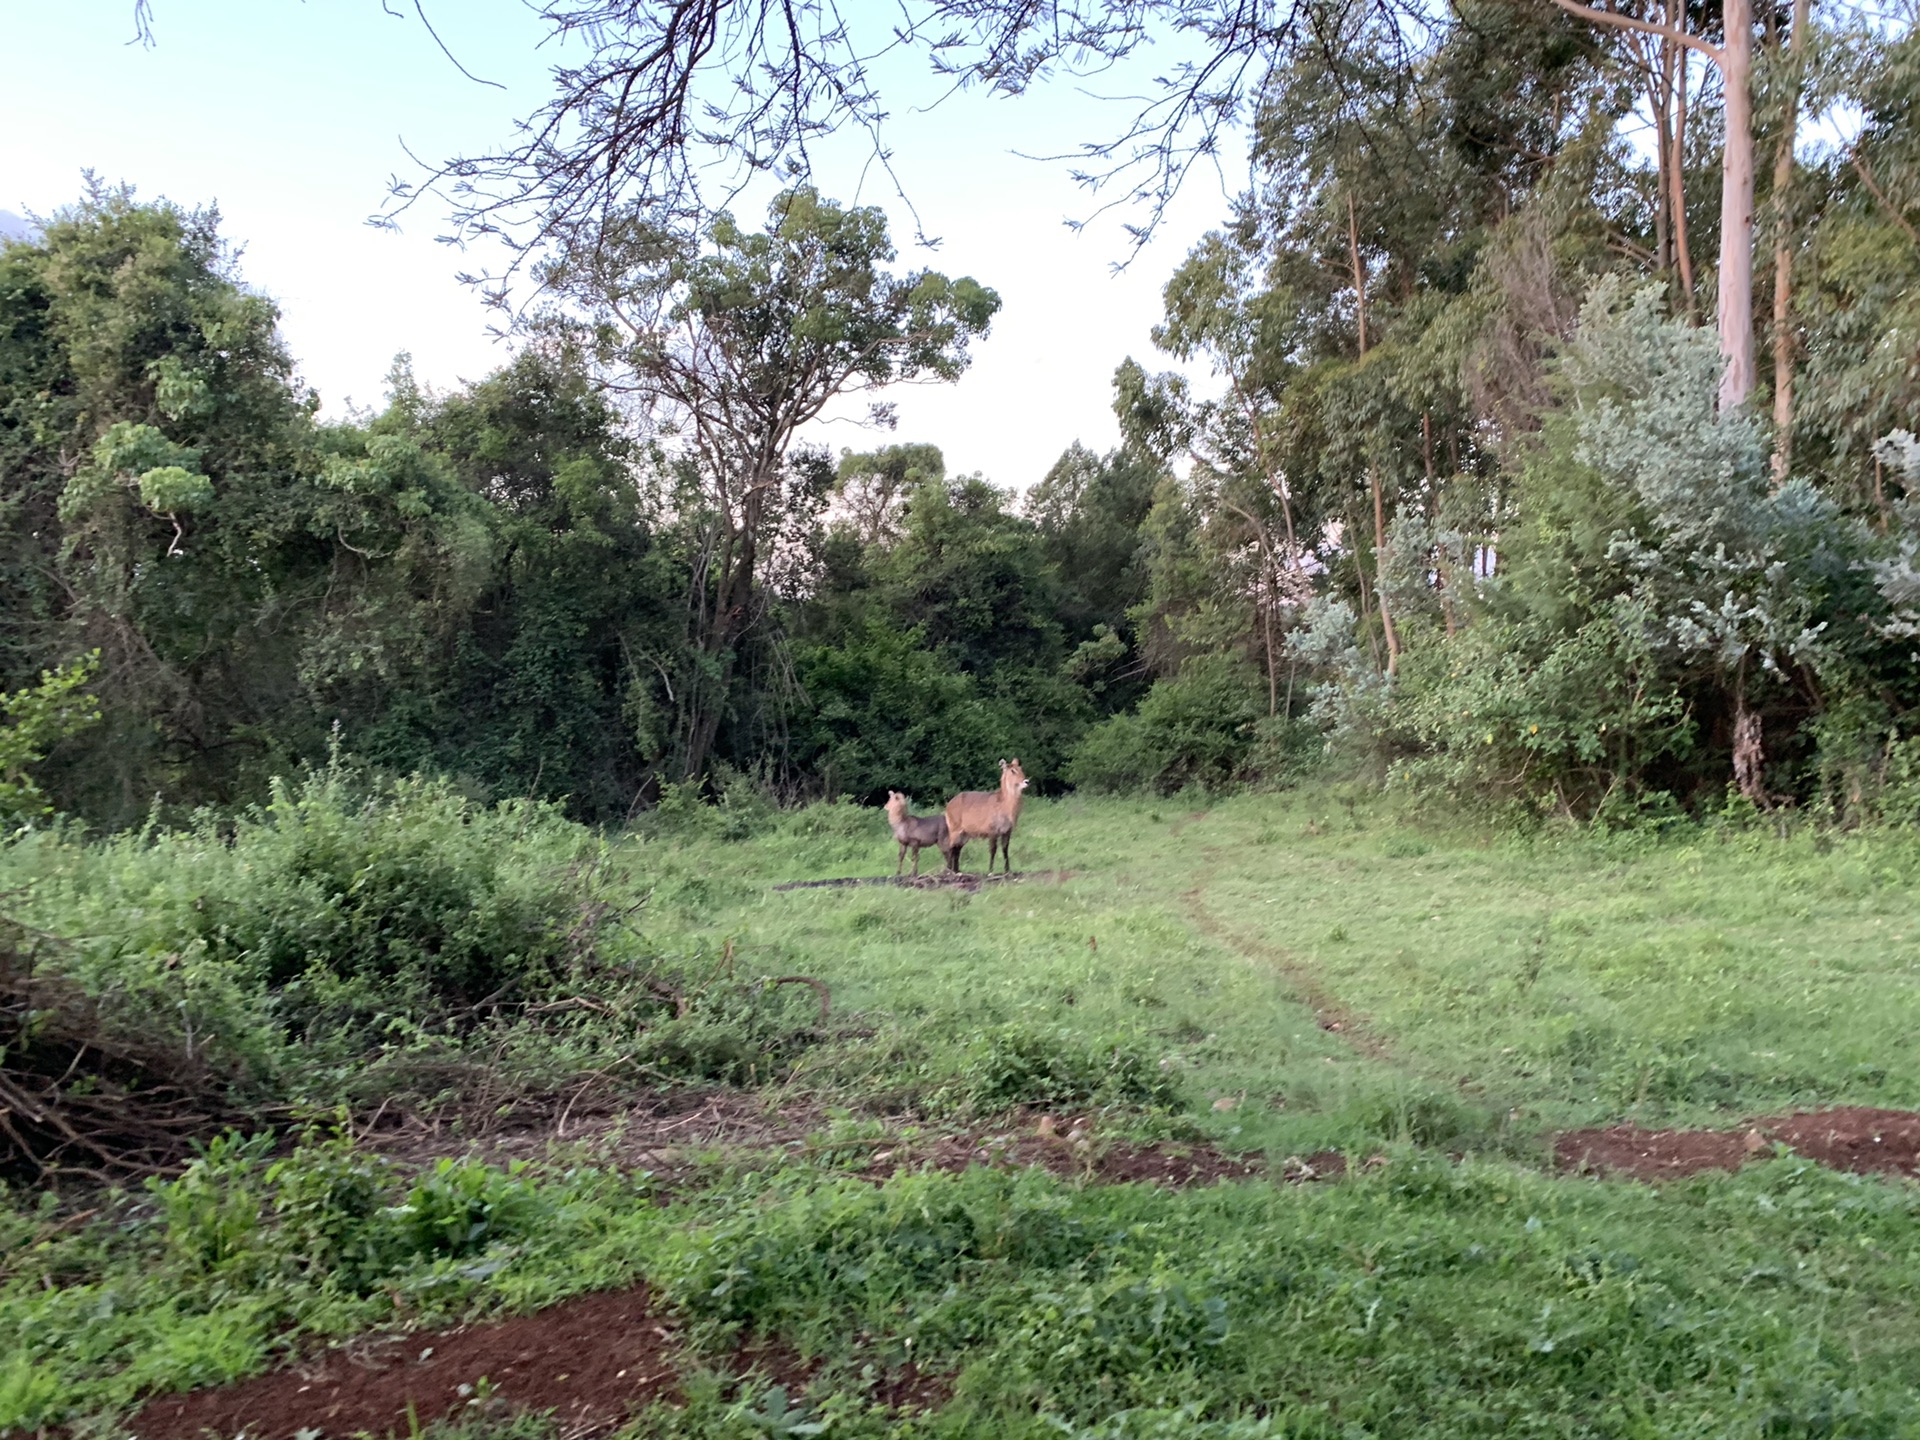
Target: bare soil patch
[594,1361]
[966,880]
[1856,1138]
[598,1359]
[675,1133]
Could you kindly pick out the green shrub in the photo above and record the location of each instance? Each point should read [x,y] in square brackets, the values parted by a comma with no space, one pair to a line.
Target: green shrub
[1198,728]
[344,916]
[323,1214]
[214,1213]
[1016,1065]
[417,896]
[460,1208]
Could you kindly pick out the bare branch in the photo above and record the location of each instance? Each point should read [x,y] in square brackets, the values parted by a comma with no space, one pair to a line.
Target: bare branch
[1865,173]
[420,9]
[1648,27]
[680,103]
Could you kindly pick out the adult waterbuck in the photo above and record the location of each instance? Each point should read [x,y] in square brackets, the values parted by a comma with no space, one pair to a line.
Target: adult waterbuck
[988,815]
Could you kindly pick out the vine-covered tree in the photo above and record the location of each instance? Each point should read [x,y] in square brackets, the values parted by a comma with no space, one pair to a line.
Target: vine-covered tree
[729,342]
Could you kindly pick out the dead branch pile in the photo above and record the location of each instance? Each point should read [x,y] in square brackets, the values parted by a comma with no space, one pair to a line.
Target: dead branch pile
[80,1096]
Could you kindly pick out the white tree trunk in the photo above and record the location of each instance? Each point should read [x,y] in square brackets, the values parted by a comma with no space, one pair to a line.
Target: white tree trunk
[1783,257]
[1736,207]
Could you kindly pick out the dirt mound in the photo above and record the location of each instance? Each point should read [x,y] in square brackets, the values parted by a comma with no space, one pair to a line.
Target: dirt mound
[593,1361]
[1855,1138]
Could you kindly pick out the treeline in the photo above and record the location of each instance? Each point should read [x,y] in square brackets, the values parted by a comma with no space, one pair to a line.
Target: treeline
[1479,486]
[1471,504]
[511,584]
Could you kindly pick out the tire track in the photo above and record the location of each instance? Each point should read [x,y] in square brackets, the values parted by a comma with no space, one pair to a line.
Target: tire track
[1328,1013]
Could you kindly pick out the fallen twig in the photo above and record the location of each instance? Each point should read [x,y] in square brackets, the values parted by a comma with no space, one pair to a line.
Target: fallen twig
[819,989]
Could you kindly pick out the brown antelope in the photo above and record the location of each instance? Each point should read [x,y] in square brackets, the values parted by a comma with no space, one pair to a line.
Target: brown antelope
[915,831]
[988,815]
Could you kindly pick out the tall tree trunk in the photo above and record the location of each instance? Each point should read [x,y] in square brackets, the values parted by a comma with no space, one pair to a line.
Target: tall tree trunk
[723,629]
[1734,56]
[1783,255]
[1660,99]
[1380,572]
[1677,178]
[1736,208]
[1359,275]
[1373,474]
[1749,752]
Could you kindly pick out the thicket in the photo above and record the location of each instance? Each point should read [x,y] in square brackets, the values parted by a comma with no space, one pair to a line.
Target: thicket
[351,941]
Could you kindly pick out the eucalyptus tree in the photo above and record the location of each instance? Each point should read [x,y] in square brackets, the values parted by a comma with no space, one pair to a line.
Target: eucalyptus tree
[727,342]
[1732,54]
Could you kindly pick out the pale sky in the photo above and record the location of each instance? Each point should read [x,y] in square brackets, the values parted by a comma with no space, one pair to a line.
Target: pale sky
[292,116]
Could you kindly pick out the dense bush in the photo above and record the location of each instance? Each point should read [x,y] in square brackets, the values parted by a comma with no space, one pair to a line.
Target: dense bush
[356,936]
[1197,728]
[342,908]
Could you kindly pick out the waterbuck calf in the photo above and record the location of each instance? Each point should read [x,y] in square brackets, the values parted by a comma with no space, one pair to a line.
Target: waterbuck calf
[915,831]
[988,815]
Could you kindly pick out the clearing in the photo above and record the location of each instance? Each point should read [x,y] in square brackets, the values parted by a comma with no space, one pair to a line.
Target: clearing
[1039,1173]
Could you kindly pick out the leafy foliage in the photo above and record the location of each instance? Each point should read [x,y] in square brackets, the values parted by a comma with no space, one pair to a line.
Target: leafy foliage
[56,709]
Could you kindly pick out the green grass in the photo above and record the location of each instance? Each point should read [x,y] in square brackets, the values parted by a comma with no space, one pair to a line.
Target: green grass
[1160,957]
[1502,985]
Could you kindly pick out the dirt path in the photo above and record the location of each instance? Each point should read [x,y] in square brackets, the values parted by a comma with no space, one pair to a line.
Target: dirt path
[1328,1013]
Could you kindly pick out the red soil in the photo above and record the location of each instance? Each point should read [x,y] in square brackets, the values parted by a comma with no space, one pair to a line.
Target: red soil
[593,1361]
[1855,1138]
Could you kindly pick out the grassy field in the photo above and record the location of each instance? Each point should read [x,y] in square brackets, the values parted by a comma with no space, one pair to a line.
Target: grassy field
[1282,974]
[1501,984]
